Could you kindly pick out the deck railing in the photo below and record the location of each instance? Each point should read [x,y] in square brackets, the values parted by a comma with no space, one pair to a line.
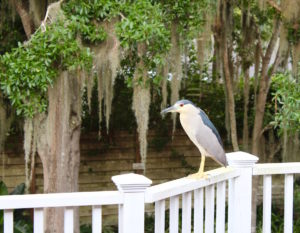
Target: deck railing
[188,194]
[267,170]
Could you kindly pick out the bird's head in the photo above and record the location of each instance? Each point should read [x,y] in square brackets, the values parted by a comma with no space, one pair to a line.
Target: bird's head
[181,106]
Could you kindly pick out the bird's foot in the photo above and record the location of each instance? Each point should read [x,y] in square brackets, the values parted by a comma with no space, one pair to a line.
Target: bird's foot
[198,176]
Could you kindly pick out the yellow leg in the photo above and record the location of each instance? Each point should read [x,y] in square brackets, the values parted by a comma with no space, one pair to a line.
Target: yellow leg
[200,174]
[202,163]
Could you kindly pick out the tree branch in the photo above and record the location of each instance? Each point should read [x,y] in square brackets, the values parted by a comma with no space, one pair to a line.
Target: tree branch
[270,48]
[275,6]
[25,17]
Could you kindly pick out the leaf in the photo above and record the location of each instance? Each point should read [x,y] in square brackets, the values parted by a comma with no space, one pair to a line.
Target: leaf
[3,189]
[20,189]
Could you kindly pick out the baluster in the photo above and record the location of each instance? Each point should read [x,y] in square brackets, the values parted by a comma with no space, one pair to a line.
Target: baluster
[221,194]
[198,211]
[174,215]
[97,219]
[8,221]
[267,203]
[38,220]
[69,220]
[186,212]
[160,216]
[209,208]
[288,203]
[231,207]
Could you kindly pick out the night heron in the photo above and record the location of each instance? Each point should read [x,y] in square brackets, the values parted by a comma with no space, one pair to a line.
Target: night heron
[201,131]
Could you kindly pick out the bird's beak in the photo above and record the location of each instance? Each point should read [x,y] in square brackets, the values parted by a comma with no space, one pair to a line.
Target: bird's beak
[170,109]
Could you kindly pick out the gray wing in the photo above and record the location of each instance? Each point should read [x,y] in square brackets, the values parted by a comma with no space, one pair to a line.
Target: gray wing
[211,142]
[208,123]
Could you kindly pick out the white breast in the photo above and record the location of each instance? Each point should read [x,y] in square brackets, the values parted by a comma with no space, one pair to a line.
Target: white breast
[191,124]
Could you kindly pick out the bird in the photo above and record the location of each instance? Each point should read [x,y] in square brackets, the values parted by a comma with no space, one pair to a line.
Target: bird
[201,132]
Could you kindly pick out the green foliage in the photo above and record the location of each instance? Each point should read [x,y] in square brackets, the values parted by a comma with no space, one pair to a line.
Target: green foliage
[85,228]
[28,70]
[188,14]
[143,22]
[293,30]
[287,102]
[86,17]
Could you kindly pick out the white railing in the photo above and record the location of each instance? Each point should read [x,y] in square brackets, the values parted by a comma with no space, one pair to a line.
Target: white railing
[267,170]
[68,200]
[189,194]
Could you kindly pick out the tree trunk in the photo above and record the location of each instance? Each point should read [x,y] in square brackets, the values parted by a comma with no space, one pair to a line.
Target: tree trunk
[231,104]
[6,119]
[260,105]
[22,8]
[222,31]
[264,86]
[246,107]
[58,144]
[290,148]
[37,9]
[230,96]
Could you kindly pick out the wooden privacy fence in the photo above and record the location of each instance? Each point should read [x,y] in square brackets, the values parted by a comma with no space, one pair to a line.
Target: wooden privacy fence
[134,192]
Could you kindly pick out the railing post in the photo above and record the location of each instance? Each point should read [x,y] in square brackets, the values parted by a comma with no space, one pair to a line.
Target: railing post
[132,211]
[240,192]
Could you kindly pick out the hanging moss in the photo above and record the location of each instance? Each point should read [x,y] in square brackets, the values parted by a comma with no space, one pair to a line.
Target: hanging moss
[164,85]
[113,48]
[203,41]
[175,67]
[106,64]
[30,150]
[141,101]
[262,4]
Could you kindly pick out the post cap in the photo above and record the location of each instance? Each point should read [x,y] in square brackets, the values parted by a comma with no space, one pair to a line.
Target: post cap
[131,182]
[241,159]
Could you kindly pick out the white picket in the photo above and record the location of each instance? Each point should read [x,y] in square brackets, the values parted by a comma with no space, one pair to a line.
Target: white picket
[160,216]
[221,198]
[38,220]
[267,203]
[198,210]
[8,221]
[209,208]
[97,219]
[288,203]
[174,214]
[69,220]
[186,212]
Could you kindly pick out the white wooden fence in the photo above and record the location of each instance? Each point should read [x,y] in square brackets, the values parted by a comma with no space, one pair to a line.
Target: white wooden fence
[134,192]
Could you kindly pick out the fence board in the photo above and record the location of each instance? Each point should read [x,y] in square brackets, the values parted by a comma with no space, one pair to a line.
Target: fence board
[220,216]
[288,203]
[267,203]
[97,219]
[8,221]
[160,216]
[174,214]
[209,208]
[198,210]
[38,220]
[69,220]
[186,212]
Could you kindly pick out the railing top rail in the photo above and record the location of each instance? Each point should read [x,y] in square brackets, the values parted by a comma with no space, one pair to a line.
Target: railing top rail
[179,186]
[276,168]
[60,200]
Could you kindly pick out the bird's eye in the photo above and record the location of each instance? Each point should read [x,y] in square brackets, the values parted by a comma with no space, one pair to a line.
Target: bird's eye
[181,105]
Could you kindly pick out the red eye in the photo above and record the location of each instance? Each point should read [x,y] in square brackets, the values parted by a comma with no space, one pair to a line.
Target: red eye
[181,105]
